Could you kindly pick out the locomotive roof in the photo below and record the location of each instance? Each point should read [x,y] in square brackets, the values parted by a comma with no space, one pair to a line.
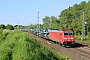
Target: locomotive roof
[60,30]
[55,30]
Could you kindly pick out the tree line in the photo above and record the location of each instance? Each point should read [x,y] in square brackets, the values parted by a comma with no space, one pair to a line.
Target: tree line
[8,26]
[11,27]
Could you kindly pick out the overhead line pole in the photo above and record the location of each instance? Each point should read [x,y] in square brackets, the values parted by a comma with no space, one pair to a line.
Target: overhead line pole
[38,25]
[83,27]
[38,20]
[50,23]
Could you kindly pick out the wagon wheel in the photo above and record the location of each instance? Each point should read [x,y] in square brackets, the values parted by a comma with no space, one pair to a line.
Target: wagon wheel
[60,44]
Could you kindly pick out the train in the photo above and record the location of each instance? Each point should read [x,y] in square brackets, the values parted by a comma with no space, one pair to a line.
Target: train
[63,37]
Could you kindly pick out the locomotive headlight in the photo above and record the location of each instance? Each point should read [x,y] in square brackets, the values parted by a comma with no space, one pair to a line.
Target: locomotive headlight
[72,38]
[65,38]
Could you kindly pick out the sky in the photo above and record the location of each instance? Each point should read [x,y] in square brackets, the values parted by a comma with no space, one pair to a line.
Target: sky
[25,12]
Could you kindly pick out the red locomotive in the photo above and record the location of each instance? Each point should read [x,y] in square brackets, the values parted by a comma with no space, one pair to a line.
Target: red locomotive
[64,37]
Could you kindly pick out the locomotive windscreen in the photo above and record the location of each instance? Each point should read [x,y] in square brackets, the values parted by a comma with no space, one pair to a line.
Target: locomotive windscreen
[68,33]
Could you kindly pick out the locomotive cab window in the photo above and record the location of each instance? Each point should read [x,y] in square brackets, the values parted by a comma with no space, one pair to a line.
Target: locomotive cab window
[65,33]
[68,33]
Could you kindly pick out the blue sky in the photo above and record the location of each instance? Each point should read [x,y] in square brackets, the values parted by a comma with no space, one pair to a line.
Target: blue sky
[26,11]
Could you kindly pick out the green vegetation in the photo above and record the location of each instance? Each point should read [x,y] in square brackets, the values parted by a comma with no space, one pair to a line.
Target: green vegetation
[78,39]
[9,27]
[16,45]
[2,26]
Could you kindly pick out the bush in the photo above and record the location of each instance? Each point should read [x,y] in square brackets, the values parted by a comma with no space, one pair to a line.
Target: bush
[2,26]
[9,27]
[1,31]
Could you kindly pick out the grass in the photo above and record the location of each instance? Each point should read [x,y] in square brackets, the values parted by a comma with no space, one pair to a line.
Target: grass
[78,39]
[16,45]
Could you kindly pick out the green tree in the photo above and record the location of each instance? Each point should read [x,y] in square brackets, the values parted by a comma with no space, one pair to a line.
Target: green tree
[2,26]
[10,27]
[54,22]
[50,22]
[46,22]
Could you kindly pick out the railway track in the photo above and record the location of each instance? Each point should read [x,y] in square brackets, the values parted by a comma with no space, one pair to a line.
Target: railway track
[80,52]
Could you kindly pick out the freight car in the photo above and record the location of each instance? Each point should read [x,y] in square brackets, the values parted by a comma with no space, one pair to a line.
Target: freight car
[64,37]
